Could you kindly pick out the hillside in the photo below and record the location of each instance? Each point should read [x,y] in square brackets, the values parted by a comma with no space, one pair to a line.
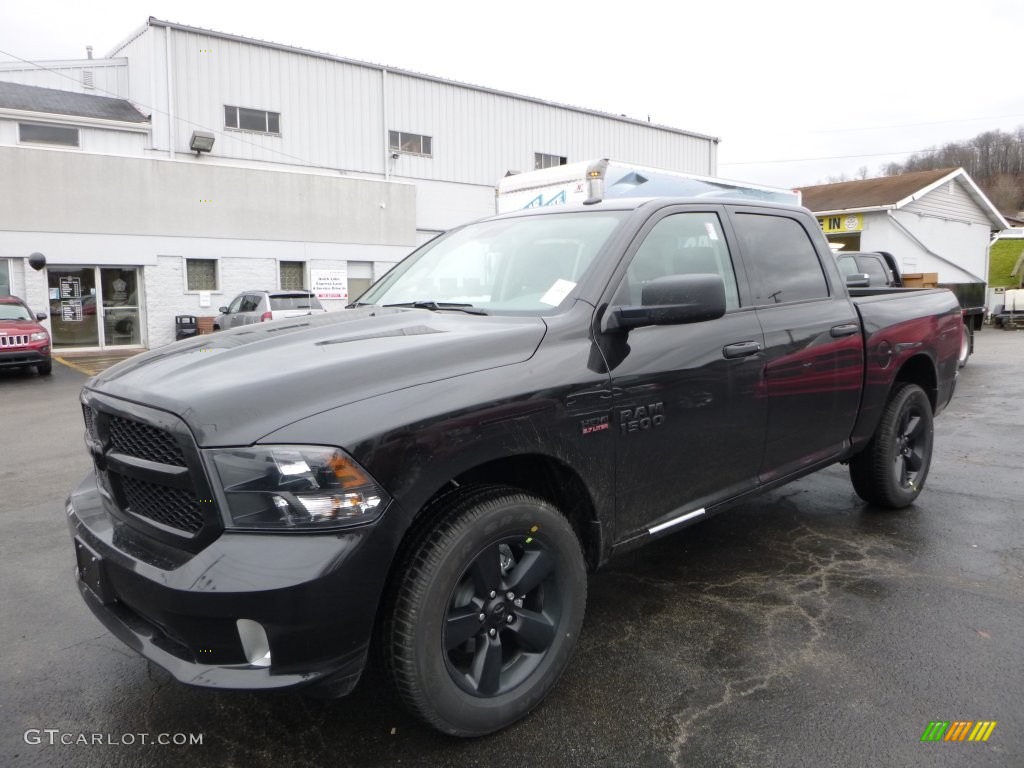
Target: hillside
[994,159]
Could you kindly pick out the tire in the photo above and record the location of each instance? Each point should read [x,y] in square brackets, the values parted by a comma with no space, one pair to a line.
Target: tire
[468,676]
[44,369]
[966,344]
[891,471]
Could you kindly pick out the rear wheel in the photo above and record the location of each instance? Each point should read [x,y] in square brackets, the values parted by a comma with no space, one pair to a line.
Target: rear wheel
[891,471]
[966,343]
[485,616]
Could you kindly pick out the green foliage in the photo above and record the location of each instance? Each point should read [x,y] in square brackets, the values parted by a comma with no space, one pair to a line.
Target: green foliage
[1002,258]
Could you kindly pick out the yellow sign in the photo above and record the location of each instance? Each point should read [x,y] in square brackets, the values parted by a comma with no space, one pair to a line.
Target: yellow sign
[837,225]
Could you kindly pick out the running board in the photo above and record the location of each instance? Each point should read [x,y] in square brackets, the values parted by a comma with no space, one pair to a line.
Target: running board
[676,521]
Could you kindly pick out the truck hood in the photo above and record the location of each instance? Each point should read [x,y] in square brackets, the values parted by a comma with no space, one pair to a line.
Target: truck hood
[234,387]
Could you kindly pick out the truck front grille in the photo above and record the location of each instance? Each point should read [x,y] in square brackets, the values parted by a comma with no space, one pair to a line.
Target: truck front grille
[149,465]
[144,442]
[13,341]
[173,507]
[90,422]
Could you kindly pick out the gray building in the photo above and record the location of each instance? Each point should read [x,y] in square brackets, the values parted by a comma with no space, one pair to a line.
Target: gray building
[319,166]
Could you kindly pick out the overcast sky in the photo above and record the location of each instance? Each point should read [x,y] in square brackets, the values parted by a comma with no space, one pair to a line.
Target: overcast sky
[780,83]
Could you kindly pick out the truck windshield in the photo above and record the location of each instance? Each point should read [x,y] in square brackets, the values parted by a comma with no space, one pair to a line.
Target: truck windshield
[518,265]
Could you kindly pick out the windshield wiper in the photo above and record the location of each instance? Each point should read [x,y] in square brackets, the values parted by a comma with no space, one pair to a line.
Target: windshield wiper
[435,306]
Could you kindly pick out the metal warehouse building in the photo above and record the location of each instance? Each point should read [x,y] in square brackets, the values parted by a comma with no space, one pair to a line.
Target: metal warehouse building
[190,165]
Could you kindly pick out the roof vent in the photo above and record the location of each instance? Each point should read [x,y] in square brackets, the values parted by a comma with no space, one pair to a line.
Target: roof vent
[87,78]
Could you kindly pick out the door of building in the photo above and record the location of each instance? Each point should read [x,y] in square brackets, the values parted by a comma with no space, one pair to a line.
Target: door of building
[73,319]
[94,306]
[120,296]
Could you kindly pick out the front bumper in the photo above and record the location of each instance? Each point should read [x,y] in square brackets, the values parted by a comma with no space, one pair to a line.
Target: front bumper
[315,596]
[15,358]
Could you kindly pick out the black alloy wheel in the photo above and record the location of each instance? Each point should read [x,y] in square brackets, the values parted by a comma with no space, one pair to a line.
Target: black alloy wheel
[484,615]
[503,616]
[892,469]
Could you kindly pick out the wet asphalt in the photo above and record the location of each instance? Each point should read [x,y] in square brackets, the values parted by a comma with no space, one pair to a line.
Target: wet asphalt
[800,629]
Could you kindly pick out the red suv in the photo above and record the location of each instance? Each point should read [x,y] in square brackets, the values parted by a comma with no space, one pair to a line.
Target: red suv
[23,341]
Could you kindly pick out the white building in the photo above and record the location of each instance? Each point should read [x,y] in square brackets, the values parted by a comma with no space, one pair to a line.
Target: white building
[931,221]
[319,164]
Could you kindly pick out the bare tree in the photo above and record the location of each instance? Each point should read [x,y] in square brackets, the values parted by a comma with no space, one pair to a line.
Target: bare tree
[994,159]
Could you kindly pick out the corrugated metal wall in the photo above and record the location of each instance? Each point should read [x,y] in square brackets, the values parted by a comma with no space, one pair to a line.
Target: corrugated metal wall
[333,115]
[109,76]
[97,140]
[478,135]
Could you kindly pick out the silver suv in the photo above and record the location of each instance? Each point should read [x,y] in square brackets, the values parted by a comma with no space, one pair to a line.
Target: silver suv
[251,307]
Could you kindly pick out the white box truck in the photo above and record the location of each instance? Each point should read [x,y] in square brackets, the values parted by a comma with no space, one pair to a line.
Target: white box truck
[599,179]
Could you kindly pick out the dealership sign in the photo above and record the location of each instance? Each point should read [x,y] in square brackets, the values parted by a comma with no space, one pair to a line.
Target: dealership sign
[330,284]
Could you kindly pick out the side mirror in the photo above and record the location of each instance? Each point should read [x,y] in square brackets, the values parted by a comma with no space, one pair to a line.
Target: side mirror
[858,280]
[672,300]
[40,316]
[222,310]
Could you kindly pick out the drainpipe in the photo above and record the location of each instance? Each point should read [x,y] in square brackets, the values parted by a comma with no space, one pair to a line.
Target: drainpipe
[171,133]
[384,117]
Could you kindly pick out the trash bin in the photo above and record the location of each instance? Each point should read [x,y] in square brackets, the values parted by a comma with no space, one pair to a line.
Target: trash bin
[185,327]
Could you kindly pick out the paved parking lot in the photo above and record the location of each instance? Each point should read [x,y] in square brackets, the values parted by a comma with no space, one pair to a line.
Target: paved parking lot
[801,629]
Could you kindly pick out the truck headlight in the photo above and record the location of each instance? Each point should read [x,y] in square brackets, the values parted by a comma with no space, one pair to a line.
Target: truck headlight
[39,336]
[307,487]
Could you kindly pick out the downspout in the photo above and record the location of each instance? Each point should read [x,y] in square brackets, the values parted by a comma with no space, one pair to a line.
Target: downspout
[928,250]
[171,135]
[384,117]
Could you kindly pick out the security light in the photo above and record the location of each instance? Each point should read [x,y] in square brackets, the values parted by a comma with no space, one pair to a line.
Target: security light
[201,142]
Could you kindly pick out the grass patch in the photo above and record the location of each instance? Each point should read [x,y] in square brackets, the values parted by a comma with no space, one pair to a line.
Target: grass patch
[1002,257]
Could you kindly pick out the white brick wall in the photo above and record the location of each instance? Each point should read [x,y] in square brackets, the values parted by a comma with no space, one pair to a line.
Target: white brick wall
[165,294]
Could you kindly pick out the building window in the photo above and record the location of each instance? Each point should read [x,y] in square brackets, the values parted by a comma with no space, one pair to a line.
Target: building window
[48,134]
[293,275]
[201,274]
[540,160]
[411,143]
[5,277]
[258,120]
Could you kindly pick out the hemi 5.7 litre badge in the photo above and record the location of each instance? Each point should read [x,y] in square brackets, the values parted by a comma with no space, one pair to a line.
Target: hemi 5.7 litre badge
[641,418]
[596,424]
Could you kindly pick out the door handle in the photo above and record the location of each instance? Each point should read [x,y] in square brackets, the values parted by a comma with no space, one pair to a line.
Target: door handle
[740,349]
[847,329]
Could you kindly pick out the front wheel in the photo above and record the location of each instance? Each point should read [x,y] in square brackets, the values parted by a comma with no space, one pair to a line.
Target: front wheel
[892,469]
[486,614]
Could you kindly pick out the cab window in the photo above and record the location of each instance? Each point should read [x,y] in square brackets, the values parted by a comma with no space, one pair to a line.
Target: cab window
[680,244]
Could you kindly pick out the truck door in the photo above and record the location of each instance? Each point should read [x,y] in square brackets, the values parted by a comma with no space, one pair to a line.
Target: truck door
[688,421]
[813,343]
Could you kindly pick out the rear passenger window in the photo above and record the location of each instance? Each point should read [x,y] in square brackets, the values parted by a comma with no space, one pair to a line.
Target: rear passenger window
[680,244]
[782,257]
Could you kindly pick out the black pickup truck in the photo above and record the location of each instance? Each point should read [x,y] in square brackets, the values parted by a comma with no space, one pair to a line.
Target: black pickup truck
[878,269]
[427,477]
